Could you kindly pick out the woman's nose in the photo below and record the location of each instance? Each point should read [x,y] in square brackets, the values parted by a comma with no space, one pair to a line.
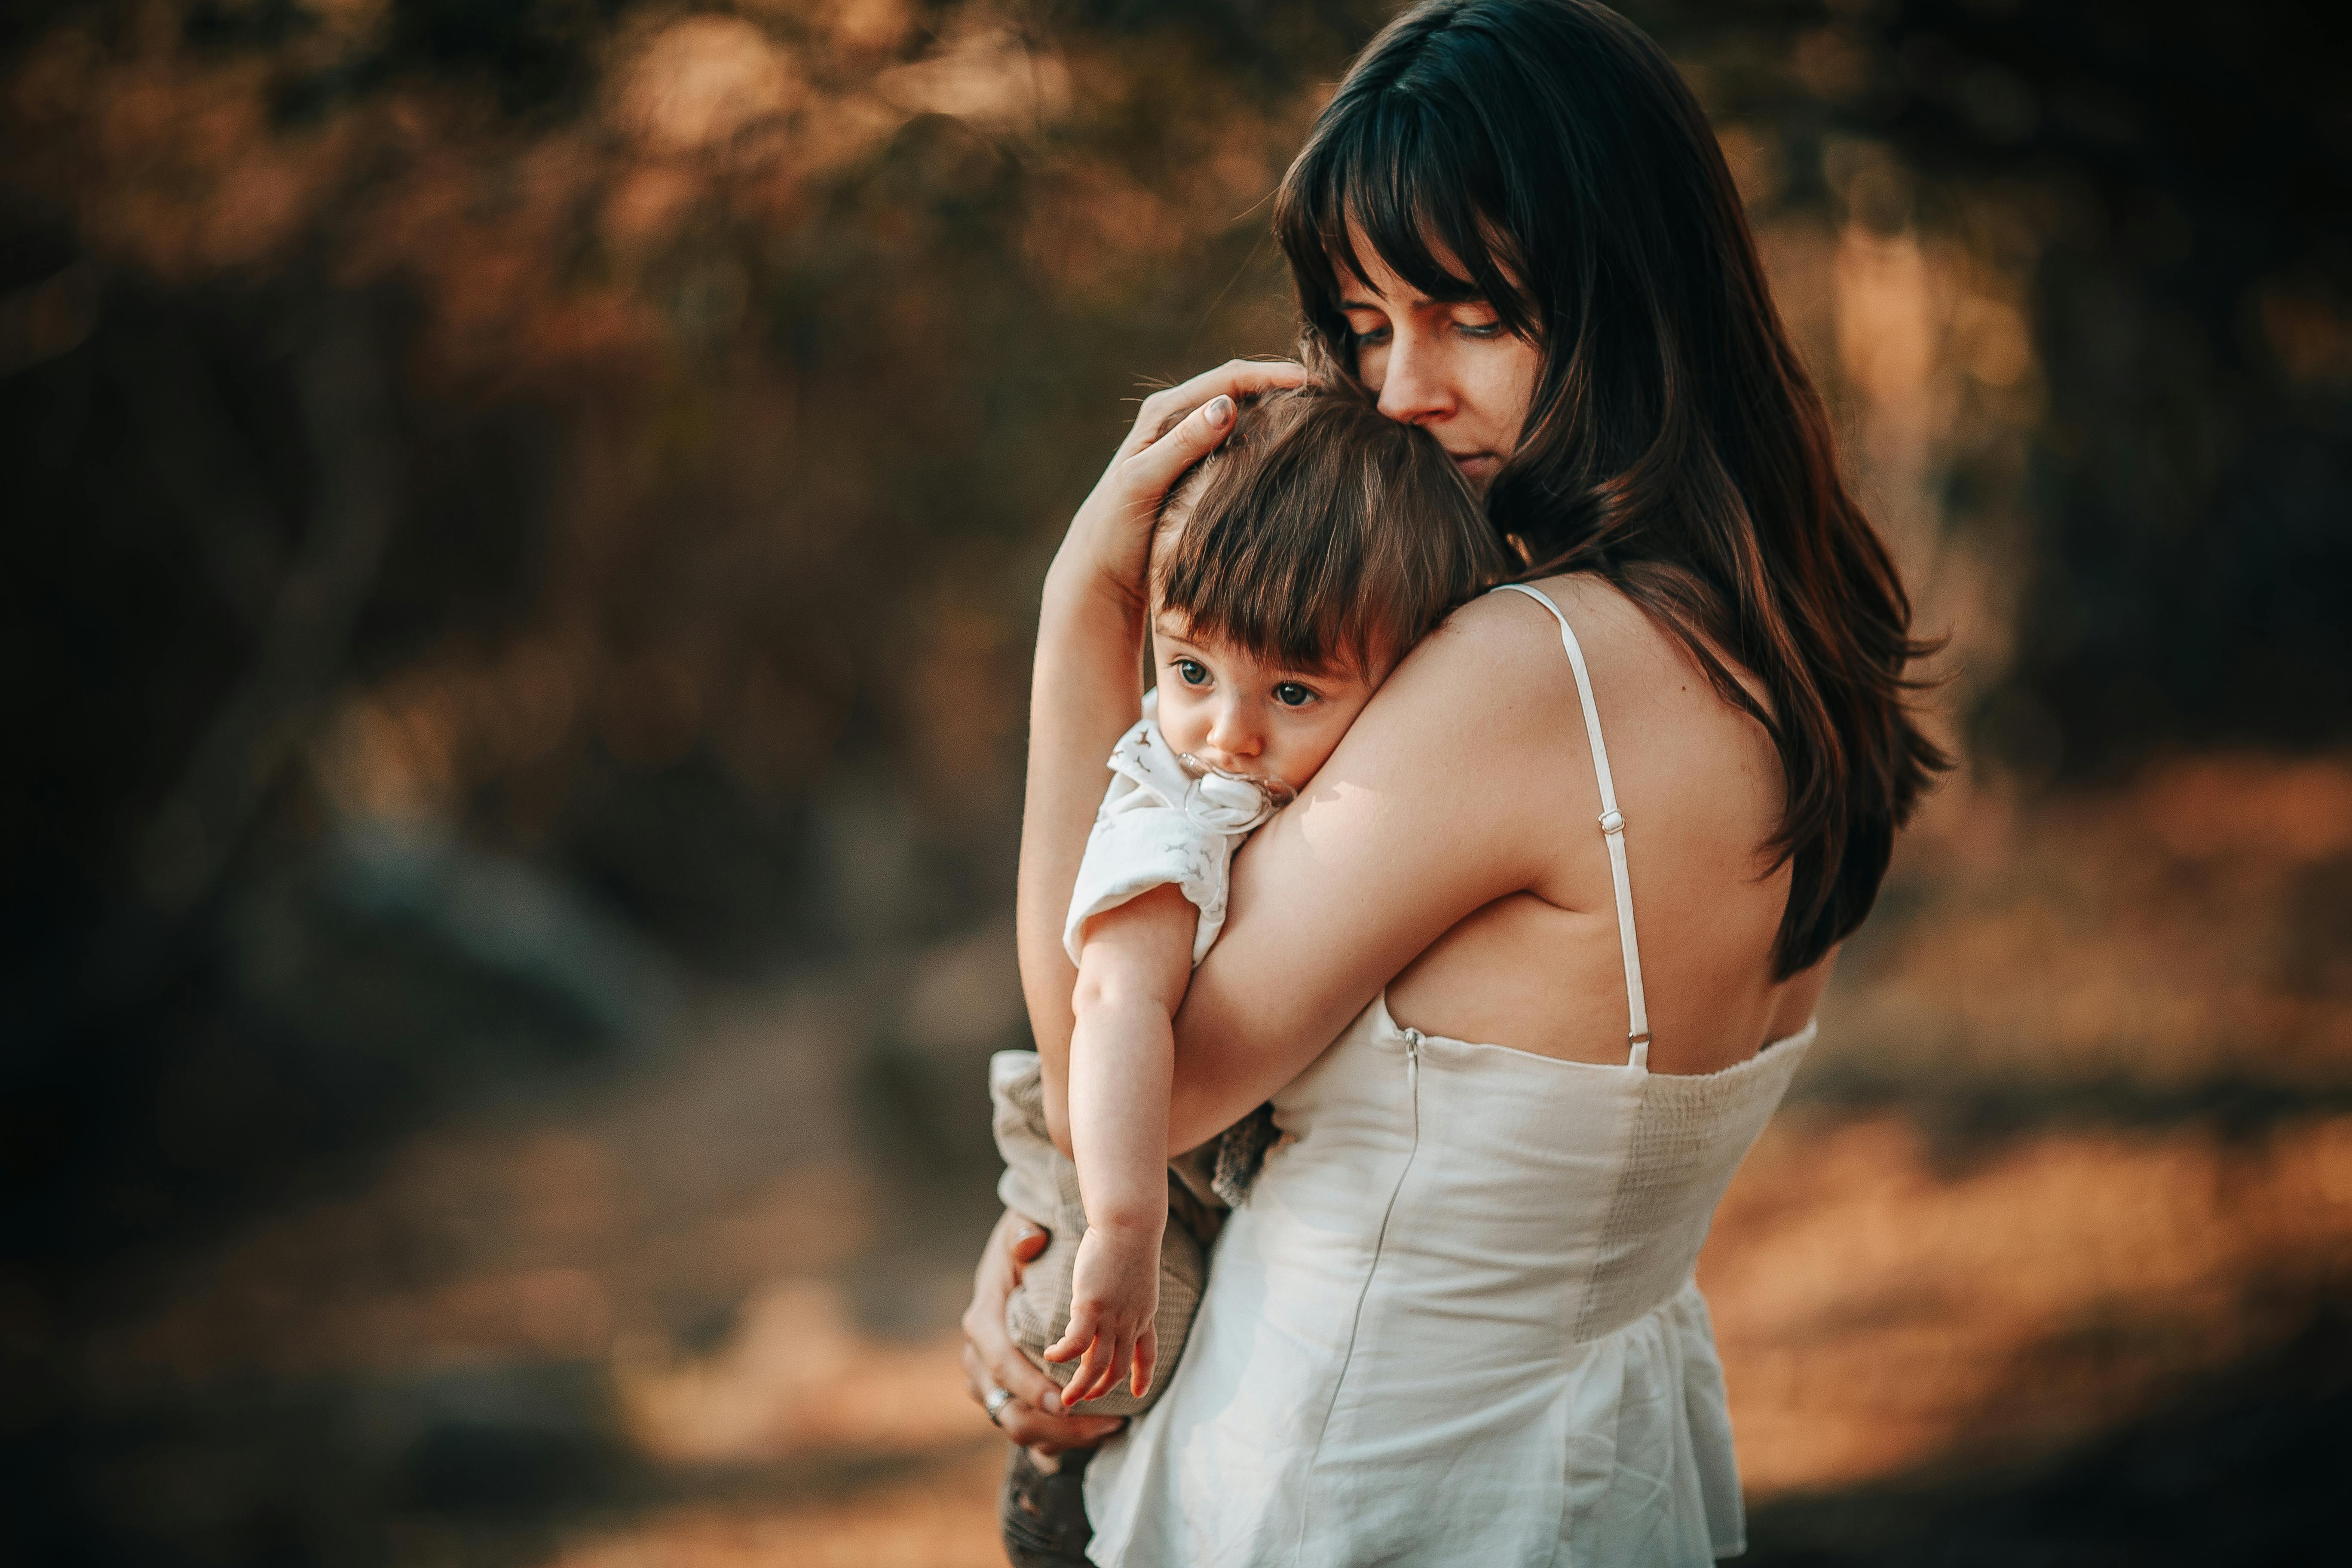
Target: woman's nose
[1415,388]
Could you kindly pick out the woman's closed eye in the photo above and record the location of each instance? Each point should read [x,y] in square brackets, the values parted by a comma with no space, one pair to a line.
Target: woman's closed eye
[1482,327]
[1476,319]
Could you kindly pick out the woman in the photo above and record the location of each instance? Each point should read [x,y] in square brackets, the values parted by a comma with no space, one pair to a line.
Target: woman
[1455,1322]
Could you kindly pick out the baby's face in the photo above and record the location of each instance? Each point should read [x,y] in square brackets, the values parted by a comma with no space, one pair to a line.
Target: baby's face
[1236,713]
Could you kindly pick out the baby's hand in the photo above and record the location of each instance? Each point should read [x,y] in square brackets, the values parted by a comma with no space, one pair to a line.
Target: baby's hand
[1113,1301]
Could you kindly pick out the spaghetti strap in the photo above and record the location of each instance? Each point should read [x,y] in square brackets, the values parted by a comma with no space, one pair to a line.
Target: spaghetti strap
[1612,828]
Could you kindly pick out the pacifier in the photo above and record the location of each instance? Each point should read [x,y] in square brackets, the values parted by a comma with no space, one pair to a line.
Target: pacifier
[1226,802]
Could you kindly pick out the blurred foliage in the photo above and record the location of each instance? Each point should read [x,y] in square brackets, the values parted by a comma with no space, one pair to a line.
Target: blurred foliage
[2188,172]
[524,512]
[617,443]
[613,444]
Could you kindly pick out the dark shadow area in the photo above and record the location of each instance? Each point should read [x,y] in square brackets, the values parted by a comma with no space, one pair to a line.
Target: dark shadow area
[496,1465]
[2248,1470]
[2188,169]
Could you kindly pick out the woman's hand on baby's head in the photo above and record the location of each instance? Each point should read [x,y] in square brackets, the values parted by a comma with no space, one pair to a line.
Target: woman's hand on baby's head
[1114,1300]
[1109,540]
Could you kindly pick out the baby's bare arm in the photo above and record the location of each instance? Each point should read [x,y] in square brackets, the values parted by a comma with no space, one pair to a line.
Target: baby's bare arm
[1132,970]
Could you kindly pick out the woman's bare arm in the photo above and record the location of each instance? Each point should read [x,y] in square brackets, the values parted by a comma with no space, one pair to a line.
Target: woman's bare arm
[1443,797]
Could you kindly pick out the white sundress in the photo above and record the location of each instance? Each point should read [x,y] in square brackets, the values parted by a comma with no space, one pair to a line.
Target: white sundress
[1455,1322]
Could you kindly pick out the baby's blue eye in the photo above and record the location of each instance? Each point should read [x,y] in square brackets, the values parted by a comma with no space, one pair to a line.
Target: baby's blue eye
[1194,672]
[1290,694]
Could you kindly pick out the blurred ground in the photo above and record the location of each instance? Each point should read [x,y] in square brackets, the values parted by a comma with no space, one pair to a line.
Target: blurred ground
[2027,1289]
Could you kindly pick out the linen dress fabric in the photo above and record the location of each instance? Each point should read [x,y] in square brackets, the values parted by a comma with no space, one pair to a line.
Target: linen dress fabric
[1157,825]
[1456,1321]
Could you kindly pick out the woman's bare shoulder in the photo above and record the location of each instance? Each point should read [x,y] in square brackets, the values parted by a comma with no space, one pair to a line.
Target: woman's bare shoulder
[1696,780]
[1630,655]
[1491,693]
[1479,688]
[1673,739]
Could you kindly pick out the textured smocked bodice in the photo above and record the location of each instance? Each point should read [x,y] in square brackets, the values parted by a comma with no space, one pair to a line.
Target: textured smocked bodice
[1455,1321]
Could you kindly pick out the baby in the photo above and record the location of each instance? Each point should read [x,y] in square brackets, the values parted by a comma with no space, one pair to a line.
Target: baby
[1291,569]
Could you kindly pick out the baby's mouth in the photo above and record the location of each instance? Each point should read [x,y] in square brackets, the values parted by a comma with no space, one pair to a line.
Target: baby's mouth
[1230,802]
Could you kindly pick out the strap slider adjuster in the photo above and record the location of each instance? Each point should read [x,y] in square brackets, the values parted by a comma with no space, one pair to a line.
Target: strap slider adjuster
[1612,821]
[1640,1039]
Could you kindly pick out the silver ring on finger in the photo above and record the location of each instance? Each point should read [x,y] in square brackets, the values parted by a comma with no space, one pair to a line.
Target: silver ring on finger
[994,1402]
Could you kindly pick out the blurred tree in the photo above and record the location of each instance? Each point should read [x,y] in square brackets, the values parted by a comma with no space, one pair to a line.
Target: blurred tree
[2189,167]
[615,445]
[605,444]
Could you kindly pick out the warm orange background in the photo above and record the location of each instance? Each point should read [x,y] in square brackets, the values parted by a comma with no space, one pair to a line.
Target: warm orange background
[522,1099]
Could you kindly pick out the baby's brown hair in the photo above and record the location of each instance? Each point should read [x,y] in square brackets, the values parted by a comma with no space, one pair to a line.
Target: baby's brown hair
[1322,533]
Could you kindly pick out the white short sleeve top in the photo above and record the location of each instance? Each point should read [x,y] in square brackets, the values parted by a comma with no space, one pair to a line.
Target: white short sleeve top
[1162,823]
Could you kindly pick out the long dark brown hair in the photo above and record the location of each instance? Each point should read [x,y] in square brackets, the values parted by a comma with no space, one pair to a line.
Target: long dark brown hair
[1545,156]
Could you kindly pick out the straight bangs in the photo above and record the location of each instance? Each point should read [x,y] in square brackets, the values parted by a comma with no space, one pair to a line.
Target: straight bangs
[1323,536]
[1421,188]
[1242,584]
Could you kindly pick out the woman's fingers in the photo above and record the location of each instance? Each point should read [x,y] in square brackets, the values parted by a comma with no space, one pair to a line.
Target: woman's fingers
[1002,1366]
[1109,539]
[1031,1427]
[996,1362]
[1024,1238]
[1146,475]
[1234,378]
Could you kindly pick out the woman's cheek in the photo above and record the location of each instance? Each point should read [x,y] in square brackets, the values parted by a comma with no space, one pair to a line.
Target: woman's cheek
[1513,387]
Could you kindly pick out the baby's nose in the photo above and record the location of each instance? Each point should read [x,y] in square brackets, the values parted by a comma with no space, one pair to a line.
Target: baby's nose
[1232,741]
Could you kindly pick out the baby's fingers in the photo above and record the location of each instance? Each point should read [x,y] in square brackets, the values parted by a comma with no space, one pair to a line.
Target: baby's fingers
[1147,1360]
[1116,1365]
[1090,1381]
[1075,1338]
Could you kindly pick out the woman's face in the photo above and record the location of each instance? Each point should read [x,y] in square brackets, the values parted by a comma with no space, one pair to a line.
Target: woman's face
[1452,369]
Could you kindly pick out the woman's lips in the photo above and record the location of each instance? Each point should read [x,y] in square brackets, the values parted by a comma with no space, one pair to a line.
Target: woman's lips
[1477,464]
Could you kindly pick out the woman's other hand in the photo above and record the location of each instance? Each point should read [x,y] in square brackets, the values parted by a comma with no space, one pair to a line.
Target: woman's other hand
[1109,540]
[1033,1416]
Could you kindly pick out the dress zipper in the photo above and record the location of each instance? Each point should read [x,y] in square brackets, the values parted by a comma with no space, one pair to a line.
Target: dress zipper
[1412,1039]
[1413,1043]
